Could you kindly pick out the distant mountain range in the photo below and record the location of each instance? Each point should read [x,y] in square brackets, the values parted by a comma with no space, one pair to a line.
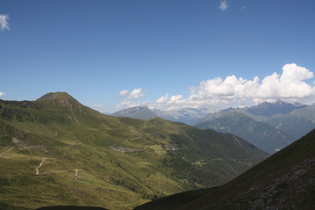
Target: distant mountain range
[283,181]
[269,109]
[269,126]
[189,116]
[259,133]
[138,112]
[57,152]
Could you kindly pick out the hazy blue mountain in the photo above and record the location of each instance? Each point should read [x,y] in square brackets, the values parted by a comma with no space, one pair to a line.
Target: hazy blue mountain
[259,133]
[269,109]
[187,115]
[138,112]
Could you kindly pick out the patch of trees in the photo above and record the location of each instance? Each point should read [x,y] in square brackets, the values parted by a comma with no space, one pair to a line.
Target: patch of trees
[20,115]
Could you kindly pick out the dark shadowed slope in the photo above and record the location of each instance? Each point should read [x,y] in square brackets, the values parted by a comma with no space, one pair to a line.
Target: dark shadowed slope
[286,180]
[71,208]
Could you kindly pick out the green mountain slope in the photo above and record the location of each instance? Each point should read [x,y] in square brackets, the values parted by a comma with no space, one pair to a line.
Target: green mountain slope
[283,181]
[56,151]
[296,123]
[259,133]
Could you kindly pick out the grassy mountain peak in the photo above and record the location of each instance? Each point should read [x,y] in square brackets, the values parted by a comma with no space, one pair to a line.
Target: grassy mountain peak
[60,98]
[56,96]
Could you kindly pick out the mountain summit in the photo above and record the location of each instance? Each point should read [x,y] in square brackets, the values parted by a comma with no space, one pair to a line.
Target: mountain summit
[60,98]
[55,96]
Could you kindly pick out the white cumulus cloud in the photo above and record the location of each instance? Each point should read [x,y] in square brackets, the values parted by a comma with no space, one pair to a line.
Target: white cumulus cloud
[293,72]
[223,5]
[2,94]
[291,85]
[163,99]
[130,99]
[123,93]
[4,24]
[136,93]
[237,91]
[176,98]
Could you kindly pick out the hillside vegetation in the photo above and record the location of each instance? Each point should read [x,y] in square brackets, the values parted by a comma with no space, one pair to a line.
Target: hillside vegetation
[56,151]
[283,181]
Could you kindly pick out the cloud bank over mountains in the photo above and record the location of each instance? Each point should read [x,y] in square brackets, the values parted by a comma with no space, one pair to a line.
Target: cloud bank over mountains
[291,85]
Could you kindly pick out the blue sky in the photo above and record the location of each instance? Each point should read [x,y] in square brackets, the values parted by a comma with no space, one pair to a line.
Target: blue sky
[114,54]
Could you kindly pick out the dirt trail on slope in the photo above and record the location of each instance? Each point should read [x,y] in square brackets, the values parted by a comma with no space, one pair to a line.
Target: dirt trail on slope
[6,151]
[41,163]
[76,175]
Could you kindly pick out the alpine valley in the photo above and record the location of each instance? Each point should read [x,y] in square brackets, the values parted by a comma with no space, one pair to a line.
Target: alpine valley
[57,152]
[269,126]
[283,181]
